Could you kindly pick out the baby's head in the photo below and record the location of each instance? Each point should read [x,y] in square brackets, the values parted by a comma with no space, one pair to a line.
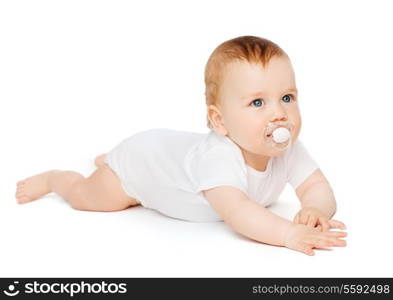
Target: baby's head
[250,86]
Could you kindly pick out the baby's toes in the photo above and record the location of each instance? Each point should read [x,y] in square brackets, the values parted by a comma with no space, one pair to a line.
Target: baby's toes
[20,194]
[23,199]
[21,182]
[19,190]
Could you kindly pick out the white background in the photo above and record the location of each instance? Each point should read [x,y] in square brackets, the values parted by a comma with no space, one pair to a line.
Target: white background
[77,77]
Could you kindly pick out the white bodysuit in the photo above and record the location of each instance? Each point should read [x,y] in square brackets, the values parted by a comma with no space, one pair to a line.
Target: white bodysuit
[167,170]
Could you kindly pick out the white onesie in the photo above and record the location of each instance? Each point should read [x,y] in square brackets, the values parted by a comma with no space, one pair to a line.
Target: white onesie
[167,170]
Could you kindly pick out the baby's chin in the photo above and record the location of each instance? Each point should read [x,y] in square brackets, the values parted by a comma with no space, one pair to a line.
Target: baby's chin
[272,153]
[267,152]
[274,150]
[267,148]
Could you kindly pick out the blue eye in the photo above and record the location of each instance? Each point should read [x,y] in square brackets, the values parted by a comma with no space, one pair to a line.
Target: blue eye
[257,101]
[287,97]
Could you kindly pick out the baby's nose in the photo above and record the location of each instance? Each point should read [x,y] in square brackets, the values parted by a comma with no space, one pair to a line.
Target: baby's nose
[279,113]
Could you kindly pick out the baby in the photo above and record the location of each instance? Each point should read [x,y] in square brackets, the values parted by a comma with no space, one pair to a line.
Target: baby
[232,173]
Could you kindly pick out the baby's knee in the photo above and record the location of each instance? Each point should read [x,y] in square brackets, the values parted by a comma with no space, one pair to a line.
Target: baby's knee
[79,198]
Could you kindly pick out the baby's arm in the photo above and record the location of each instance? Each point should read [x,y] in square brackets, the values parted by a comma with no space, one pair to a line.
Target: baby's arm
[318,202]
[246,216]
[256,222]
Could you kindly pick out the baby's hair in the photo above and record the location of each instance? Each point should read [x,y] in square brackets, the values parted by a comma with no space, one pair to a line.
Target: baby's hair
[248,48]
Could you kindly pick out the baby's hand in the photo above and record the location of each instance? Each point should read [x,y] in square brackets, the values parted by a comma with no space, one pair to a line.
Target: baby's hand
[304,238]
[313,217]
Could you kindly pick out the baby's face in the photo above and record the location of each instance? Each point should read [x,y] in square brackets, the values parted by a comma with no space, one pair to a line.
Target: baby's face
[252,97]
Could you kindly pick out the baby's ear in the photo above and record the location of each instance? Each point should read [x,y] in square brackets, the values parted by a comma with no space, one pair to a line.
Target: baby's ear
[216,120]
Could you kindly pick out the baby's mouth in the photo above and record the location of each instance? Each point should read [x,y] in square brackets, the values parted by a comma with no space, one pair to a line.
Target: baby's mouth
[269,138]
[278,135]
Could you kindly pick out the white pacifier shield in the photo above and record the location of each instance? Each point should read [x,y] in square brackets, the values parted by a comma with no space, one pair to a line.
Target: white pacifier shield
[281,135]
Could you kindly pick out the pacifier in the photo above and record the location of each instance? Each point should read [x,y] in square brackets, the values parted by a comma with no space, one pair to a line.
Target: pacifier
[278,135]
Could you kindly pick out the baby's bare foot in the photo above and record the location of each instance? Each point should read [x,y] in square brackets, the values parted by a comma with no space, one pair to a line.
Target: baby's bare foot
[33,187]
[99,160]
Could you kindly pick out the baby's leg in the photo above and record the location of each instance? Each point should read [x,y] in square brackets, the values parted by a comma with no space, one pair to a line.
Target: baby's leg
[101,191]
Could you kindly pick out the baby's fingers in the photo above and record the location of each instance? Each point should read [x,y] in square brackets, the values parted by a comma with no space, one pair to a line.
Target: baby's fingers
[336,234]
[319,227]
[335,241]
[312,221]
[339,243]
[306,249]
[324,223]
[301,218]
[325,242]
[320,242]
[304,218]
[337,224]
[334,238]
